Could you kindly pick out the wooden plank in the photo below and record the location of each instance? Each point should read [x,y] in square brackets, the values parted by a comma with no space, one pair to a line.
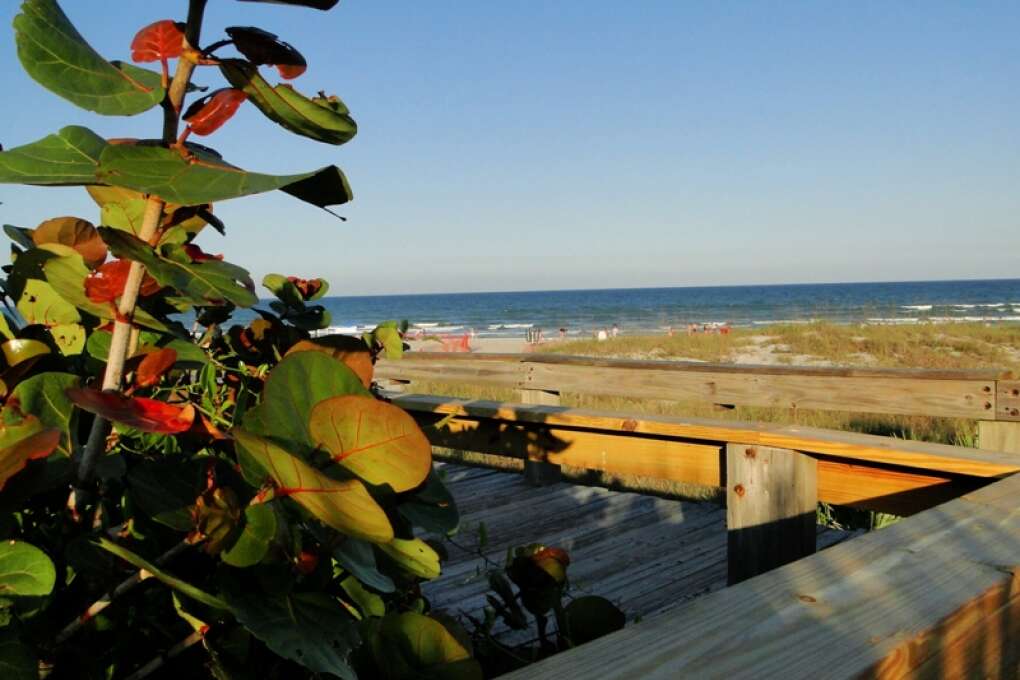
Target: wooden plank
[448,369]
[935,595]
[999,435]
[1007,400]
[867,394]
[861,448]
[538,469]
[771,504]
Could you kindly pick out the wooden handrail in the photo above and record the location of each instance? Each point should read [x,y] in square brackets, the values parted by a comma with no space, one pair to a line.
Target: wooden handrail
[982,394]
[880,473]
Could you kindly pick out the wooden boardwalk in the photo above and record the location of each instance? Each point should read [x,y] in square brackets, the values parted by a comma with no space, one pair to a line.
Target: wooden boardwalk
[646,554]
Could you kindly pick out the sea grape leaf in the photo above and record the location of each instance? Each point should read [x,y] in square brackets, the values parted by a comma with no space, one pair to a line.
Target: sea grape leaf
[124,209]
[25,571]
[205,179]
[358,558]
[160,40]
[368,602]
[154,365]
[68,157]
[352,351]
[69,338]
[177,584]
[44,396]
[284,289]
[432,507]
[209,282]
[23,438]
[589,617]
[257,533]
[314,4]
[409,644]
[322,118]
[75,233]
[343,505]
[67,276]
[22,349]
[17,659]
[166,489]
[262,47]
[377,441]
[294,386]
[148,415]
[56,56]
[312,629]
[20,235]
[414,556]
[39,303]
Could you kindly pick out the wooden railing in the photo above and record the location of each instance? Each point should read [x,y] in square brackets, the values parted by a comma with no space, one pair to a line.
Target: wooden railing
[935,595]
[990,396]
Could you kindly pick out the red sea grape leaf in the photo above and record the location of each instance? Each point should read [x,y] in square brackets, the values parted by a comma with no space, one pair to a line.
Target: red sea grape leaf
[158,41]
[198,255]
[375,440]
[106,284]
[23,440]
[147,415]
[262,47]
[154,365]
[343,505]
[209,113]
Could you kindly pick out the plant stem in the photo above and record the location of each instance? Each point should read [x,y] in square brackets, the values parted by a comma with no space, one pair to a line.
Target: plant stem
[176,650]
[123,587]
[153,216]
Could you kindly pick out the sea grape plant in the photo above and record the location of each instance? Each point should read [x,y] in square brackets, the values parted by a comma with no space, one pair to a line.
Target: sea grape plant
[233,499]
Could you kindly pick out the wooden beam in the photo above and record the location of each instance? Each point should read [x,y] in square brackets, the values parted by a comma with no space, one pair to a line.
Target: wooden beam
[861,448]
[771,504]
[936,595]
[538,469]
[970,393]
[896,490]
[999,435]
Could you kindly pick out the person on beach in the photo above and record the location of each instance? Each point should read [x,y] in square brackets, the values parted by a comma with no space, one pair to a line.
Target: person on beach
[563,334]
[615,331]
[602,335]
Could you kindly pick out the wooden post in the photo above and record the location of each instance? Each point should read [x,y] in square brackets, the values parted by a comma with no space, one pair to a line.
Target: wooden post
[999,435]
[540,472]
[771,498]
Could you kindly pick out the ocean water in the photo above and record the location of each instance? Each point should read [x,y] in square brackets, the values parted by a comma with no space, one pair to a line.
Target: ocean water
[651,310]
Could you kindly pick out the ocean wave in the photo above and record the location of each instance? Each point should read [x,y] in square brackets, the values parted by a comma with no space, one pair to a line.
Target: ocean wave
[919,308]
[508,326]
[775,322]
[895,321]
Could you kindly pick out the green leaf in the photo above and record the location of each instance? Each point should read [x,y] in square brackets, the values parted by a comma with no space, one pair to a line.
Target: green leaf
[358,558]
[25,571]
[59,59]
[256,535]
[377,441]
[311,629]
[343,505]
[39,303]
[69,337]
[166,490]
[324,119]
[368,602]
[414,556]
[432,507]
[177,584]
[283,288]
[206,179]
[20,235]
[410,645]
[68,157]
[44,396]
[67,276]
[314,4]
[591,617]
[17,659]
[209,282]
[298,382]
[389,338]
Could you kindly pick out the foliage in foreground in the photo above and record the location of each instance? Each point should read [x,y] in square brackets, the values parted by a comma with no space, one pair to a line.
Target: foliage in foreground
[243,505]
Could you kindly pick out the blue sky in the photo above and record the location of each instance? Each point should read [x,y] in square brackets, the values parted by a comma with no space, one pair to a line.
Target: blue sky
[573,144]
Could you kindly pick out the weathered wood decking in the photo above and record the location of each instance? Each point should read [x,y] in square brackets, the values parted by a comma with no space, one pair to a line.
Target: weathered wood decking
[646,554]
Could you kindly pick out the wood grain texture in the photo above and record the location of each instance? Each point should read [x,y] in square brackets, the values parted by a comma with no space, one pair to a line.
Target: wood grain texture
[538,469]
[999,436]
[931,392]
[861,448]
[771,501]
[936,595]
